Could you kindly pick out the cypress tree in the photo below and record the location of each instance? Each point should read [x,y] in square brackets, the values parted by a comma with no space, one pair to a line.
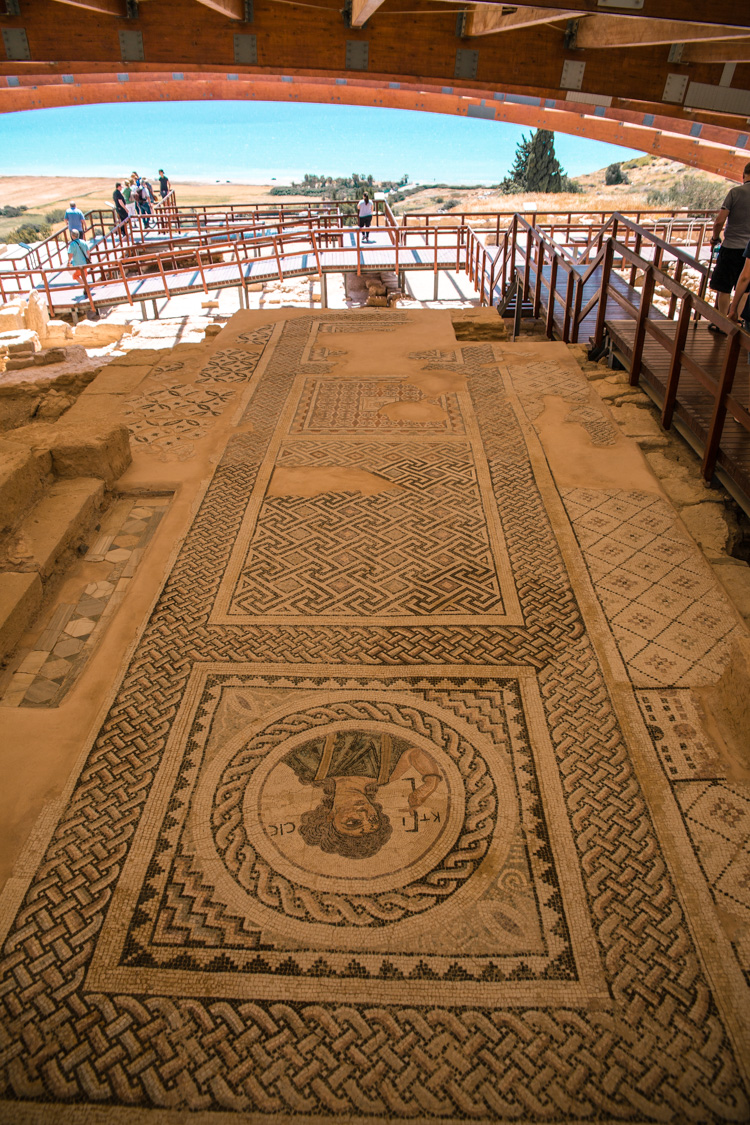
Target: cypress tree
[535,167]
[543,171]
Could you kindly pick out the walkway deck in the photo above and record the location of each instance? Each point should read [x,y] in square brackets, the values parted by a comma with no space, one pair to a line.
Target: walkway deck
[381,255]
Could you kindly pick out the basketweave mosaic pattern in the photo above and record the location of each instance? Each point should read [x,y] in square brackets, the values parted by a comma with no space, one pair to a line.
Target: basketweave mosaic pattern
[376,871]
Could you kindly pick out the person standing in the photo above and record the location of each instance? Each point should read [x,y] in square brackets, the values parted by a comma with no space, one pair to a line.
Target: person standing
[144,201]
[164,185]
[75,219]
[118,199]
[735,213]
[364,214]
[79,255]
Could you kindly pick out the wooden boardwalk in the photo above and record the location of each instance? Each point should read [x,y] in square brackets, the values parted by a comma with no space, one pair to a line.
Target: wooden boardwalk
[694,405]
[696,397]
[380,255]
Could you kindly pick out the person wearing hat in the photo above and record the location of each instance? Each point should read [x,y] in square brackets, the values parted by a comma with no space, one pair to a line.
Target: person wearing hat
[75,219]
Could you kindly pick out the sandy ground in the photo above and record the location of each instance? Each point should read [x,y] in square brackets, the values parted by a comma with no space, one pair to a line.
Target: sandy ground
[91,192]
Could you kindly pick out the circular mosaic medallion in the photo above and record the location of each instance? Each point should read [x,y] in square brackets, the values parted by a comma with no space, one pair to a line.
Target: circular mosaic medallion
[357,813]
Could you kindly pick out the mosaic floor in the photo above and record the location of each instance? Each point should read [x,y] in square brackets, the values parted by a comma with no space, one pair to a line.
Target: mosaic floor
[404,803]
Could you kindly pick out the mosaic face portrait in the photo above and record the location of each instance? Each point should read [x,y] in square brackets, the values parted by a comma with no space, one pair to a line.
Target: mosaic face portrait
[350,768]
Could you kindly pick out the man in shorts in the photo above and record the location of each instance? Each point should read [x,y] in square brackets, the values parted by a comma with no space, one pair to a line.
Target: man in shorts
[735,212]
[364,213]
[740,293]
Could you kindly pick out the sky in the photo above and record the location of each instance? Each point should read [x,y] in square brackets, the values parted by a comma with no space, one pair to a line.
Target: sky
[253,142]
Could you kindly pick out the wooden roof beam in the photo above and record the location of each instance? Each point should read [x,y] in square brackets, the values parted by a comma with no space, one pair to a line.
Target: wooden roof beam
[630,31]
[233,9]
[731,50]
[103,7]
[488,19]
[362,10]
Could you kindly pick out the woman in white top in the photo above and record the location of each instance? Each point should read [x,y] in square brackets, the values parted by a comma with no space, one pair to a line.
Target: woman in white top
[364,211]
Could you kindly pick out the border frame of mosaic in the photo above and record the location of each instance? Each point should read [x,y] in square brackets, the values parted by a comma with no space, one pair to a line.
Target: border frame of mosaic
[220,612]
[591,988]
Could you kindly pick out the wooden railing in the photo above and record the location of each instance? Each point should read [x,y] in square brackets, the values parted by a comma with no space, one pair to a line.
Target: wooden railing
[459,247]
[573,229]
[535,263]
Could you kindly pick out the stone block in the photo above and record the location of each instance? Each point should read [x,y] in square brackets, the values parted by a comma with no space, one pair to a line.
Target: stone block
[377,302]
[707,525]
[19,342]
[22,475]
[50,355]
[117,380]
[637,422]
[37,314]
[58,331]
[18,363]
[17,407]
[11,318]
[99,333]
[20,599]
[58,523]
[736,582]
[88,447]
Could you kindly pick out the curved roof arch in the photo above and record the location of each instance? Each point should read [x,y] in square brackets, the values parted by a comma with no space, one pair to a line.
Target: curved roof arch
[669,76]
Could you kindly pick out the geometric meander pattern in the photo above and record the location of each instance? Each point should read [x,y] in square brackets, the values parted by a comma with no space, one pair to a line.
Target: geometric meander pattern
[348,405]
[368,556]
[654,1047]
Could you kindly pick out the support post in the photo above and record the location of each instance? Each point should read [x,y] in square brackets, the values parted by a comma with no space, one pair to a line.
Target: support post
[601,312]
[518,308]
[675,366]
[647,293]
[549,331]
[724,388]
[324,290]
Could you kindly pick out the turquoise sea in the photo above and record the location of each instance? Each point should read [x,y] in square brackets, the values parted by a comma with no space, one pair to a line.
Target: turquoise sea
[257,142]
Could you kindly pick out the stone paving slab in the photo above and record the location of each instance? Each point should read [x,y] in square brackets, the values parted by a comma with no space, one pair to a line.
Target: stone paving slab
[404,804]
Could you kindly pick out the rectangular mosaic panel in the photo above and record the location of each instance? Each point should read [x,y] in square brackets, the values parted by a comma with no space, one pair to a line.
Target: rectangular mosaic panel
[464,882]
[424,546]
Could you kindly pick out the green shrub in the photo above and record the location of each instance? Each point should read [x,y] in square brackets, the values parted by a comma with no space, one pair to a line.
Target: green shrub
[55,216]
[570,186]
[29,232]
[12,212]
[615,175]
[638,162]
[695,193]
